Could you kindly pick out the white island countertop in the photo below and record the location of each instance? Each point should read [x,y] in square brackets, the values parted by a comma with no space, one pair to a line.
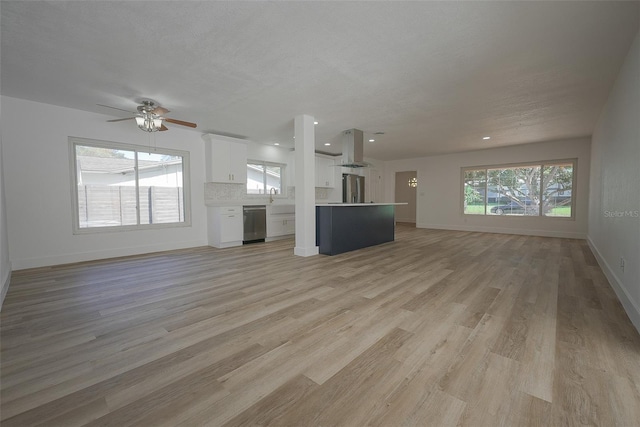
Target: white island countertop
[359,204]
[249,202]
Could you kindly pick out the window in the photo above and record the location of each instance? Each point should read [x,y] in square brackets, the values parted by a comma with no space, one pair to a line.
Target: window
[120,186]
[541,189]
[262,177]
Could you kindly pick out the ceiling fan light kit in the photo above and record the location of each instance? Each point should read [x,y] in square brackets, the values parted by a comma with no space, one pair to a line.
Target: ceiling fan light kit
[148,123]
[149,117]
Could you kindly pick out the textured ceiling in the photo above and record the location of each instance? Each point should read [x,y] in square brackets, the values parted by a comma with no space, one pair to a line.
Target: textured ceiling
[435,77]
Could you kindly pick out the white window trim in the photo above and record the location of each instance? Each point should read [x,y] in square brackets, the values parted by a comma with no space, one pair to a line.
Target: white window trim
[283,171]
[542,164]
[186,186]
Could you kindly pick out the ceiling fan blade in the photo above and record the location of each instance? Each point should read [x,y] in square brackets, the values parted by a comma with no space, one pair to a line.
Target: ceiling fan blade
[180,122]
[160,111]
[119,120]
[102,105]
[163,128]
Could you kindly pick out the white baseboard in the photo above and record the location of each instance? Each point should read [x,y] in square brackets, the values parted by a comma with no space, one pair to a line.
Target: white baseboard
[302,251]
[227,244]
[6,281]
[103,254]
[411,220]
[503,230]
[274,238]
[630,306]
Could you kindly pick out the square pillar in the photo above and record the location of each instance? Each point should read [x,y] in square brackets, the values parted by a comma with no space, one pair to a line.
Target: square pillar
[305,158]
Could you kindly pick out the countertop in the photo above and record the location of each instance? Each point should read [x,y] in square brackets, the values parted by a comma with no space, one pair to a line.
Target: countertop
[358,204]
[276,202]
[287,202]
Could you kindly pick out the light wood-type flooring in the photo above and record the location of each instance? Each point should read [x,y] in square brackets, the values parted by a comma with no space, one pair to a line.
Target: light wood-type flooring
[439,328]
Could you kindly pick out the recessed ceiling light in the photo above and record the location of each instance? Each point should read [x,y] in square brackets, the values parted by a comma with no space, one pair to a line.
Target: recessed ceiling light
[486,137]
[327,143]
[277,143]
[315,123]
[372,140]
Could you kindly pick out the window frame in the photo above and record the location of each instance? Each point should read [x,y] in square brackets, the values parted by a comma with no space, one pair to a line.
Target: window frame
[542,164]
[186,185]
[266,163]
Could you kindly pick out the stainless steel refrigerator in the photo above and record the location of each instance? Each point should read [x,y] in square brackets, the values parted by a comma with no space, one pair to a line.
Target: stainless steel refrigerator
[352,188]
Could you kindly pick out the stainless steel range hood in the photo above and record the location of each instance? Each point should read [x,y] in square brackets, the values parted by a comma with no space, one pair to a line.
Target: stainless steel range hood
[353,149]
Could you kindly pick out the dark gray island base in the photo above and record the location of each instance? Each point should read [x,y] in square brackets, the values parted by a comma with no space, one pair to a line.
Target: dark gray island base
[347,227]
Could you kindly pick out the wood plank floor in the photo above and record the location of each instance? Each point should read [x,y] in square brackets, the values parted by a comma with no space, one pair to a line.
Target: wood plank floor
[439,328]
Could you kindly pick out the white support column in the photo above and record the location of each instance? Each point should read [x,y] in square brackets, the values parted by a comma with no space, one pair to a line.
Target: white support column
[305,186]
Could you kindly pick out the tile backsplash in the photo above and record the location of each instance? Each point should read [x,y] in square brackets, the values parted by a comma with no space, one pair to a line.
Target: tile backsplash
[218,192]
[214,192]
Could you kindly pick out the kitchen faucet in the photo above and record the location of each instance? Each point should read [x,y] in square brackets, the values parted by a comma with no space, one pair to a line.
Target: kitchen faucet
[272,193]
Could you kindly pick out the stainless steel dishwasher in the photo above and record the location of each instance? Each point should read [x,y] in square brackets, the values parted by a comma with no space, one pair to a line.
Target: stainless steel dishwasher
[255,224]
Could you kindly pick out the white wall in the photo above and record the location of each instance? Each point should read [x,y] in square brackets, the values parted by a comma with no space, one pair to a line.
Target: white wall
[439,188]
[38,194]
[614,208]
[268,153]
[5,264]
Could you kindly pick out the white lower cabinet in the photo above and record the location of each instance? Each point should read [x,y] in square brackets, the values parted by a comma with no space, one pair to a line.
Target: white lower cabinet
[225,226]
[281,221]
[290,226]
[281,225]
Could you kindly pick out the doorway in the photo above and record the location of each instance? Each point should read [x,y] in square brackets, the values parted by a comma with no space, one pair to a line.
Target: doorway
[406,188]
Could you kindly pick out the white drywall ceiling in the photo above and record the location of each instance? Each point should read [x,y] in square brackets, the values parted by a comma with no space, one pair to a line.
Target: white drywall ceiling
[434,76]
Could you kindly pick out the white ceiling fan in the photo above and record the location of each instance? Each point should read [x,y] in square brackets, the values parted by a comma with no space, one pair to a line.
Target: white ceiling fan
[150,117]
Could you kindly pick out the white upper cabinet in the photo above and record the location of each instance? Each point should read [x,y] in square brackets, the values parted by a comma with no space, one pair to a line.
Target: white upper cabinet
[238,162]
[225,159]
[325,172]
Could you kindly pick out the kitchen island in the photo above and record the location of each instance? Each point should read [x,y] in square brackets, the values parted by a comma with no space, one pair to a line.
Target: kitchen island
[343,227]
